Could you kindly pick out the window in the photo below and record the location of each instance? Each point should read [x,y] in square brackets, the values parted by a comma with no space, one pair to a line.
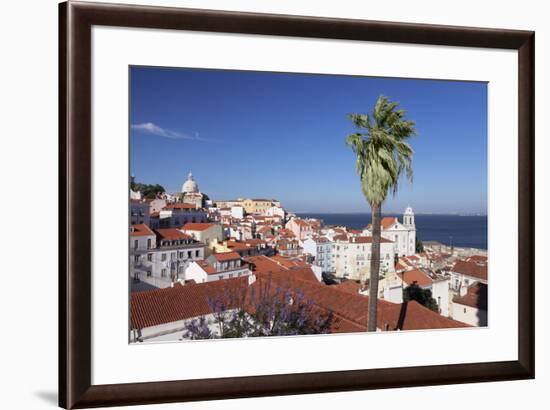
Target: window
[136,244]
[189,255]
[136,258]
[464,310]
[181,254]
[149,257]
[149,273]
[149,243]
[230,275]
[173,256]
[163,257]
[220,277]
[197,253]
[163,273]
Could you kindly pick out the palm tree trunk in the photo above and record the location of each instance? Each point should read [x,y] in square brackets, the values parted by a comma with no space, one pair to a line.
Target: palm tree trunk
[374,267]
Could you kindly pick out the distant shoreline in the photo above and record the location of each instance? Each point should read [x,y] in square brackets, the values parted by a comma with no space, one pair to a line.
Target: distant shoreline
[459,231]
[390,213]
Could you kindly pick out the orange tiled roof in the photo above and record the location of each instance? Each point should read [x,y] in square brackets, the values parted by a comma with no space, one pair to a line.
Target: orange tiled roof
[226,256]
[349,286]
[388,221]
[412,276]
[171,234]
[471,269]
[141,230]
[478,259]
[350,311]
[155,307]
[197,226]
[476,297]
[206,266]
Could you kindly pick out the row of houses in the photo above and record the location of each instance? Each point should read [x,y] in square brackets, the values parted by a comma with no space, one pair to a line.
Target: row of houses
[162,314]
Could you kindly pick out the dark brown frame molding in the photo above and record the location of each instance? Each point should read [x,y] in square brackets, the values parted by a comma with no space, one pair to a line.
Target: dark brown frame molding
[75,23]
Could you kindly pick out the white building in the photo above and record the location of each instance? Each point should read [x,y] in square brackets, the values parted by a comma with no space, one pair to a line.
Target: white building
[301,228]
[470,306]
[467,273]
[176,215]
[352,256]
[156,205]
[139,212]
[393,285]
[403,234]
[321,250]
[207,233]
[217,266]
[160,257]
[237,212]
[135,195]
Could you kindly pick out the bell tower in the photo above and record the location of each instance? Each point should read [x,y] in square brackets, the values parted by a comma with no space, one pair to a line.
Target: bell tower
[408,217]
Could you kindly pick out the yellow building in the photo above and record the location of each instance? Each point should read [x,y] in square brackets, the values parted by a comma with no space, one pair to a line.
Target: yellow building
[251,206]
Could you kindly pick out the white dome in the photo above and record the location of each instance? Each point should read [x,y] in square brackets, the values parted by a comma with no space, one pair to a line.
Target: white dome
[408,211]
[190,186]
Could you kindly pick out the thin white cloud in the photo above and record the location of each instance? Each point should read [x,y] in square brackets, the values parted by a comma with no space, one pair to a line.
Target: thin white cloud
[153,129]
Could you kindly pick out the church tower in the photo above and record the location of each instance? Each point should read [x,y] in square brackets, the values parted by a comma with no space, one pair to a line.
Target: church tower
[408,218]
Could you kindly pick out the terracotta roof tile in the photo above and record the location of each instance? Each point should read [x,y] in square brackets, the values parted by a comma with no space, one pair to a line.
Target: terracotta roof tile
[349,286]
[412,276]
[209,269]
[141,230]
[171,234]
[476,297]
[152,308]
[226,256]
[350,310]
[197,226]
[471,269]
[388,221]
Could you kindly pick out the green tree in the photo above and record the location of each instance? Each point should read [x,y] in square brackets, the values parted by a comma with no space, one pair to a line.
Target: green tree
[148,190]
[422,296]
[383,154]
[418,245]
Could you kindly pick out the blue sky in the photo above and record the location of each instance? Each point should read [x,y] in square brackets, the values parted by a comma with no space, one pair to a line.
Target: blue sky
[278,135]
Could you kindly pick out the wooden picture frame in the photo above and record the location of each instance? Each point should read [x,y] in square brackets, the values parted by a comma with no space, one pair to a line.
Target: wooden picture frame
[75,62]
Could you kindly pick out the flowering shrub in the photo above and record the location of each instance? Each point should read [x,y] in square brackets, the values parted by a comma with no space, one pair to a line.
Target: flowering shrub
[263,310]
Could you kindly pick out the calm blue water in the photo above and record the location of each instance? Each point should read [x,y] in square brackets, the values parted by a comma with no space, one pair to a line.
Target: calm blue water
[461,231]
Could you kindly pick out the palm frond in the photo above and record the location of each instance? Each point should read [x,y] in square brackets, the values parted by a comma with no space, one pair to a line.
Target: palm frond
[383,154]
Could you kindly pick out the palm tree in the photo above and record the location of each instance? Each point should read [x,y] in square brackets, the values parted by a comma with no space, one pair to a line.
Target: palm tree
[382,156]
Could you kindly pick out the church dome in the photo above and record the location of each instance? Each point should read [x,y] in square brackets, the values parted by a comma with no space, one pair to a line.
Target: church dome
[408,211]
[190,186]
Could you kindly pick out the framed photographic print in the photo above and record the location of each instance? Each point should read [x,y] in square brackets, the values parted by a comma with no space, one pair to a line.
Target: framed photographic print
[264,204]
